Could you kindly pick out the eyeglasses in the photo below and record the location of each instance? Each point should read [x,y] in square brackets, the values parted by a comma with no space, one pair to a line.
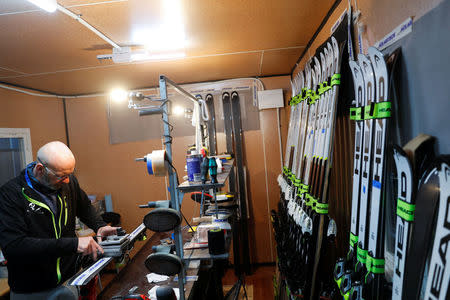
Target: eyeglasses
[59,178]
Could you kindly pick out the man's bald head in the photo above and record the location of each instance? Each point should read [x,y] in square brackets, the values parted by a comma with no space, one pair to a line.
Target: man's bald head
[56,157]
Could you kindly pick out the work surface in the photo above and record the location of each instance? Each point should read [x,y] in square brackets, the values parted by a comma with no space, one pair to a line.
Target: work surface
[134,273]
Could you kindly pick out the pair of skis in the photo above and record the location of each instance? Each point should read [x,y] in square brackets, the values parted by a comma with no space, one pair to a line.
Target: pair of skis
[423,219]
[304,185]
[361,274]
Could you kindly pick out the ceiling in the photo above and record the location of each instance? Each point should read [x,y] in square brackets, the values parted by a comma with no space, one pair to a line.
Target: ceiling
[223,39]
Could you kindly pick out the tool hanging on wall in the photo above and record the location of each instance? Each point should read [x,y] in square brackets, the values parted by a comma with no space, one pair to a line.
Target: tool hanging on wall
[157,163]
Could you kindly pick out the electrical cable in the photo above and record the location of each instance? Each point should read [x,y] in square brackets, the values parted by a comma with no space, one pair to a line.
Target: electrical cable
[186,221]
[23,90]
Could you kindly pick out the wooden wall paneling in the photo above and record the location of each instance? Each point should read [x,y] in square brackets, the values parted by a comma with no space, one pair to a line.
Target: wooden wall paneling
[392,14]
[259,234]
[269,130]
[275,62]
[103,168]
[44,117]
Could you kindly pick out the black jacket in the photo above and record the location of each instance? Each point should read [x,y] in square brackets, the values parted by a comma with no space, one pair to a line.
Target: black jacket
[40,246]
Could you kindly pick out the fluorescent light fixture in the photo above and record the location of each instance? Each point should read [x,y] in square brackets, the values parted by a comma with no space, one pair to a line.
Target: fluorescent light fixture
[126,55]
[156,57]
[118,95]
[47,5]
[168,35]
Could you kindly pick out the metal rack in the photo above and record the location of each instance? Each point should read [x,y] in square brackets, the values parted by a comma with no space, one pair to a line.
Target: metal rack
[176,196]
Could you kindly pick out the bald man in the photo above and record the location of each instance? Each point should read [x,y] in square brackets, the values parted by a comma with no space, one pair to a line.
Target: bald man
[37,226]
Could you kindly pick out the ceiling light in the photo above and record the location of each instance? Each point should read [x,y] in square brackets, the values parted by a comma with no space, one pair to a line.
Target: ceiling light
[178,110]
[119,95]
[126,55]
[167,34]
[48,5]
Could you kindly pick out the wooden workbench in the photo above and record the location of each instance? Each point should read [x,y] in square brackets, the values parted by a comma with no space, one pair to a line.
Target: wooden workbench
[134,273]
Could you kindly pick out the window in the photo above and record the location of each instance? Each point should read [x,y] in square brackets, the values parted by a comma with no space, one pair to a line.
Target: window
[15,152]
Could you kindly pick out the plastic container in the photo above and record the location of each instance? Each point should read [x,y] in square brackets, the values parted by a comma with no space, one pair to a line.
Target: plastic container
[193,163]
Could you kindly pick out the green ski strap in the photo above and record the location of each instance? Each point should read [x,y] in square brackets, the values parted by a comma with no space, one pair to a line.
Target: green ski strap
[405,210]
[304,188]
[361,254]
[375,265]
[378,110]
[353,240]
[321,208]
[356,113]
[309,200]
[335,79]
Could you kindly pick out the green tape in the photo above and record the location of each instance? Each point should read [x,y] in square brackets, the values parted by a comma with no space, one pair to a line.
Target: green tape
[361,254]
[375,265]
[356,113]
[346,296]
[405,210]
[304,188]
[367,115]
[335,79]
[353,240]
[381,110]
[339,281]
[309,200]
[291,102]
[321,208]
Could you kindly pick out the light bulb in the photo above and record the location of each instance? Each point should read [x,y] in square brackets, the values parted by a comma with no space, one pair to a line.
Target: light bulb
[47,5]
[118,95]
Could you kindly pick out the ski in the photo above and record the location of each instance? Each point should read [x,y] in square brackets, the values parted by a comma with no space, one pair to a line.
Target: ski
[350,279]
[355,114]
[404,217]
[302,220]
[330,88]
[438,279]
[380,111]
[408,162]
[366,168]
[364,278]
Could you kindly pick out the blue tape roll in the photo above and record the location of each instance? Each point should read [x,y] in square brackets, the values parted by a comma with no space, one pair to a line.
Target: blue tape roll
[149,165]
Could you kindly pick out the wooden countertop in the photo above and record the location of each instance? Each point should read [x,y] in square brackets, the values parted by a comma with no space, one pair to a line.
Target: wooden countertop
[134,273]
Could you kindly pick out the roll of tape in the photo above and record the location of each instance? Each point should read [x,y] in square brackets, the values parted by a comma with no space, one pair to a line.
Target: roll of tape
[156,163]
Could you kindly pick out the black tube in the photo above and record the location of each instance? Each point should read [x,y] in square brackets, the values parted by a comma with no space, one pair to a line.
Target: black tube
[66,125]
[150,111]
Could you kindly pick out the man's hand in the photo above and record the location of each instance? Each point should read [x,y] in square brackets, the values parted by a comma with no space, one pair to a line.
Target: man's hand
[105,231]
[87,246]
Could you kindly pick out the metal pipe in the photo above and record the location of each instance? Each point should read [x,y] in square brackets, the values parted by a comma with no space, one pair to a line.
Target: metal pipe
[151,111]
[177,88]
[87,25]
[173,182]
